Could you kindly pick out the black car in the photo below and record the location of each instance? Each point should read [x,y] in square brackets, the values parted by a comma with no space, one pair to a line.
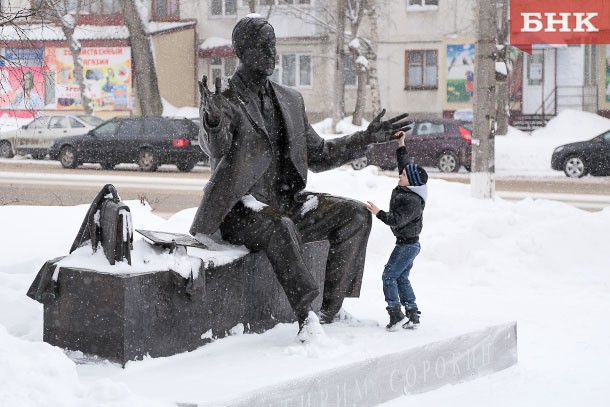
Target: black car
[584,157]
[442,143]
[147,141]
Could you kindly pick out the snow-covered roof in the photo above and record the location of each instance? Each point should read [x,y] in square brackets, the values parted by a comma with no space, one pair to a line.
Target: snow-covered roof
[216,47]
[157,27]
[213,42]
[50,32]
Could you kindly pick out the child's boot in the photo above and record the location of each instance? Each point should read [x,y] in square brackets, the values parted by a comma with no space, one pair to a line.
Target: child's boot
[412,314]
[396,317]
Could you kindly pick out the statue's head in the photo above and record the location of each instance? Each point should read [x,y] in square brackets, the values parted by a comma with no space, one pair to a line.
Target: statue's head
[254,44]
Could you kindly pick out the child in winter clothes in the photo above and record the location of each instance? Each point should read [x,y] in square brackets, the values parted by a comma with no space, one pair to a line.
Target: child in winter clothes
[405,219]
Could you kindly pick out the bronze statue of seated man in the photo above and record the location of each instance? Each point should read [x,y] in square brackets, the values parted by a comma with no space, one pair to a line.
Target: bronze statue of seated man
[261,146]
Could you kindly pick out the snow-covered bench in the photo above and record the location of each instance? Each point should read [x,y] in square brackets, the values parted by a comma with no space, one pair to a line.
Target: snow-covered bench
[170,304]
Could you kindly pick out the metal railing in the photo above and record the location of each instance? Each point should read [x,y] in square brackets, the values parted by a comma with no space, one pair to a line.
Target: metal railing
[579,97]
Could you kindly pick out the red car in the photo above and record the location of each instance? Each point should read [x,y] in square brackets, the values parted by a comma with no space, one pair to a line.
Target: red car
[441,143]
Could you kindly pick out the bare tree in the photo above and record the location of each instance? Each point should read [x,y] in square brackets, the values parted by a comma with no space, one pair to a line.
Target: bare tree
[12,18]
[355,11]
[66,13]
[362,50]
[145,73]
[339,76]
[373,78]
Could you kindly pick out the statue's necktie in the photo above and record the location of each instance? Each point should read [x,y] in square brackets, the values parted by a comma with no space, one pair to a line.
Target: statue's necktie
[266,104]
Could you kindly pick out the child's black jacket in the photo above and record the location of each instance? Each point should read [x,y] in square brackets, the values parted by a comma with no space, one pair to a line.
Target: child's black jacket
[405,216]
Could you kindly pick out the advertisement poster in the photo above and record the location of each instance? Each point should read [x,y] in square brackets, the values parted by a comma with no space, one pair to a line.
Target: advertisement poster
[107,72]
[460,73]
[515,78]
[21,81]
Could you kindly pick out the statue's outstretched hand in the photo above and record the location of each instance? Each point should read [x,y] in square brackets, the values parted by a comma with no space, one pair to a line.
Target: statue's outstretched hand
[380,131]
[211,102]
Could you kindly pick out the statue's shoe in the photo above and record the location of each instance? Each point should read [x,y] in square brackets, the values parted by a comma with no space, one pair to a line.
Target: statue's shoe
[310,330]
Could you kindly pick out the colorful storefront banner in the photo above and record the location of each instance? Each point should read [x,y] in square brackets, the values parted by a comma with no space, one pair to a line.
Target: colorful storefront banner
[107,72]
[460,73]
[21,81]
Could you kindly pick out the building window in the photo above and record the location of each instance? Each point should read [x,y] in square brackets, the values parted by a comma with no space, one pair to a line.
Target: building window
[101,7]
[223,8]
[421,70]
[220,67]
[276,2]
[166,9]
[535,69]
[293,70]
[422,5]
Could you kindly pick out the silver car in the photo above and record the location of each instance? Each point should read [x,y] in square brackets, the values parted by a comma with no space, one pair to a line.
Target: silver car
[37,136]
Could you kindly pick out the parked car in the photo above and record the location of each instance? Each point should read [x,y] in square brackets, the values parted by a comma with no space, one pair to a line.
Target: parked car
[36,137]
[442,143]
[147,141]
[583,157]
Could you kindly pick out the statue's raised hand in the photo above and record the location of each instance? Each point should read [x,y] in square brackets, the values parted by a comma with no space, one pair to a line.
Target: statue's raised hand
[211,103]
[380,131]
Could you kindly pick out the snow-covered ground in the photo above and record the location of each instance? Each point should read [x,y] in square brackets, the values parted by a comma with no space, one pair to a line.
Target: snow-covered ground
[541,263]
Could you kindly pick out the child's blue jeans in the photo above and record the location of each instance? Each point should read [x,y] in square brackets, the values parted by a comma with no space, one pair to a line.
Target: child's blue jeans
[396,285]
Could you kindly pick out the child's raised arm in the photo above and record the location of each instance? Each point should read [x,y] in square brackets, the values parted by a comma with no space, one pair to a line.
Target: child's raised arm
[402,158]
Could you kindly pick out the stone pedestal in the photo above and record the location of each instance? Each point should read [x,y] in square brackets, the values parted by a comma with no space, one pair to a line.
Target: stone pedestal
[124,317]
[377,379]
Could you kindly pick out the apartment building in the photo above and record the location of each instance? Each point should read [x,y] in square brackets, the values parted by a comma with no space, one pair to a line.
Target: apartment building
[425,58]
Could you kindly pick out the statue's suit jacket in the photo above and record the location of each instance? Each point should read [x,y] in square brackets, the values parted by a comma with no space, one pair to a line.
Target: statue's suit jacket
[240,150]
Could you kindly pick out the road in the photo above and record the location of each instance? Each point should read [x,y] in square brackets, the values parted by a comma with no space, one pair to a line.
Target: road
[30,182]
[33,182]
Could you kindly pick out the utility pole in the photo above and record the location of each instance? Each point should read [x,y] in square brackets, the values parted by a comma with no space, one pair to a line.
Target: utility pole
[482,181]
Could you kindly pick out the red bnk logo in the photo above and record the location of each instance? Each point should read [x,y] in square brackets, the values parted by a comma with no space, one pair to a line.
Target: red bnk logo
[559,22]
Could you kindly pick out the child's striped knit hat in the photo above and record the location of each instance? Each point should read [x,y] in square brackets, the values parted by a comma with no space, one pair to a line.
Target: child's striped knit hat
[417,175]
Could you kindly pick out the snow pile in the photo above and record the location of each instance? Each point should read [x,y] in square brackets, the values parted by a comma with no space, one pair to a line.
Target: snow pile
[573,125]
[38,374]
[344,127]
[26,368]
[170,110]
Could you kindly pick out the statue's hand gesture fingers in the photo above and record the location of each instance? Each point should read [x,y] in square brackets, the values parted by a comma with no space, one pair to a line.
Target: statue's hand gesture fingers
[376,124]
[400,125]
[382,131]
[203,87]
[211,103]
